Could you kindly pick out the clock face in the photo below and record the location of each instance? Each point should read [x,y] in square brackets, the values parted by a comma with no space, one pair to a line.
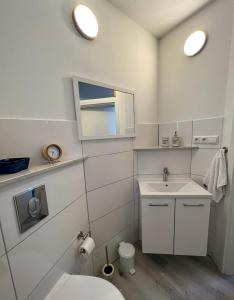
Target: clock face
[53,152]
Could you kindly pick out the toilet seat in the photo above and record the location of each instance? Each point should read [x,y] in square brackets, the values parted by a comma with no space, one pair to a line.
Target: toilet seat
[75,287]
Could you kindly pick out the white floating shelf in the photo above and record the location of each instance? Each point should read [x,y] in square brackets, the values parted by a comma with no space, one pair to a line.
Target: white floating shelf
[37,170]
[163,148]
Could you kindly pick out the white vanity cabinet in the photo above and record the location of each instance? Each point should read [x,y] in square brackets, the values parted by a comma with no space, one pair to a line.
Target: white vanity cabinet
[157,225]
[191,226]
[175,226]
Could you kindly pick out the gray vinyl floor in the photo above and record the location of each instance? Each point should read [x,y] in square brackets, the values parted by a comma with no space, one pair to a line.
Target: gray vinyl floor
[164,277]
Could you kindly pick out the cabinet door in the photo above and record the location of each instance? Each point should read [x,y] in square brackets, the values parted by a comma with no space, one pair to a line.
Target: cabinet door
[157,225]
[191,226]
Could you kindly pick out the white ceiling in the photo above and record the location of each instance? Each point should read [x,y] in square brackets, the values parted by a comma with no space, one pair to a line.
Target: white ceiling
[159,16]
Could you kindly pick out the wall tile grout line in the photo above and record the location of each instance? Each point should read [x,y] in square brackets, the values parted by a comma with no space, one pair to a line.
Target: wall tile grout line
[202,175]
[117,208]
[48,221]
[122,179]
[159,174]
[86,199]
[106,154]
[133,190]
[191,151]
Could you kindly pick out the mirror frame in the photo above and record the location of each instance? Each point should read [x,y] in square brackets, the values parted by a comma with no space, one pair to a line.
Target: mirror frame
[75,81]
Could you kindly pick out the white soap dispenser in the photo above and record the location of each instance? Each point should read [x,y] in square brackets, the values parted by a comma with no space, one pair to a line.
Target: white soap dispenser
[176,141]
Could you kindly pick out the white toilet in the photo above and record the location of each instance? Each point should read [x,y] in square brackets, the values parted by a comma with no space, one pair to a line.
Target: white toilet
[75,287]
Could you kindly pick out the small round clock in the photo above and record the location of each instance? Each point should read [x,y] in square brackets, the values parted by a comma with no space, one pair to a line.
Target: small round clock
[52,152]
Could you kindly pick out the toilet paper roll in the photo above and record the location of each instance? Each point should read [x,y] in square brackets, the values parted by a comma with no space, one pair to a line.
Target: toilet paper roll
[87,246]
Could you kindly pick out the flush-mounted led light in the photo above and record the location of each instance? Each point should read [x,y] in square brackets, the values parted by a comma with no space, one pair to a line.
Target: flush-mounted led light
[195,43]
[85,22]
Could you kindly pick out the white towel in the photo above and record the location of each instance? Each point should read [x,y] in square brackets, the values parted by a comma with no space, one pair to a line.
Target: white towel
[216,177]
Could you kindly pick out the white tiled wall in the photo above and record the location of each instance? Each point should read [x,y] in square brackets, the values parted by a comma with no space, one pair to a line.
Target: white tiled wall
[184,130]
[42,249]
[39,256]
[109,174]
[2,248]
[31,135]
[109,225]
[63,187]
[213,126]
[201,160]
[39,249]
[182,162]
[108,198]
[106,169]
[101,147]
[6,284]
[202,157]
[152,162]
[68,263]
[146,135]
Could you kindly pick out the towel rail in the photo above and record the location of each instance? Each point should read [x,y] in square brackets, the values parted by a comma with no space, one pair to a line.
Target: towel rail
[225,150]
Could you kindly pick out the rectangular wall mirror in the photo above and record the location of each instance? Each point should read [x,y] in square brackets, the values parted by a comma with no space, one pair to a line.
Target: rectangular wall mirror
[103,111]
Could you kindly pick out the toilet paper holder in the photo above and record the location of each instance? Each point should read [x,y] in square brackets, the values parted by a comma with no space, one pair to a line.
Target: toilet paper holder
[82,235]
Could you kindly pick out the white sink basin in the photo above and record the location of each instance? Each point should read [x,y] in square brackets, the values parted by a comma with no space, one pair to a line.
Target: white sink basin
[165,186]
[180,188]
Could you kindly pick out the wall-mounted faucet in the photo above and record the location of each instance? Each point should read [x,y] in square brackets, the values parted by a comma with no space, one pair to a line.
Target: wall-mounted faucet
[165,174]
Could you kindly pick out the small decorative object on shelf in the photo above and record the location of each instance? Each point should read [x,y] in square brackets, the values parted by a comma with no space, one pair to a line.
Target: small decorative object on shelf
[52,152]
[176,140]
[13,165]
[165,142]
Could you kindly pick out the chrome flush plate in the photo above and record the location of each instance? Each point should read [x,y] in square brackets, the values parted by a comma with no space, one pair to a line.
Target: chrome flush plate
[31,207]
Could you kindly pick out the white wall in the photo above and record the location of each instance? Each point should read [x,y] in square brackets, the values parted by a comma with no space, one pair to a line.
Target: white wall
[197,88]
[41,50]
[226,217]
[109,174]
[191,88]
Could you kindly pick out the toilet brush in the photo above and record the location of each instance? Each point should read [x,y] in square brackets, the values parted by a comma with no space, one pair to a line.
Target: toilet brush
[107,257]
[108,269]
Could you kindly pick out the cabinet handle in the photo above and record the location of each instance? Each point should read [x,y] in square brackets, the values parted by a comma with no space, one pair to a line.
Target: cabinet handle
[193,205]
[165,204]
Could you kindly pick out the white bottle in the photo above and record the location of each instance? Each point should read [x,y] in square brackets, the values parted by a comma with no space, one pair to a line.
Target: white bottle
[176,140]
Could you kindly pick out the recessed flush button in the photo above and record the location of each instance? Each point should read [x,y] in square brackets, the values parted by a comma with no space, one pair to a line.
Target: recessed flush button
[34,207]
[31,207]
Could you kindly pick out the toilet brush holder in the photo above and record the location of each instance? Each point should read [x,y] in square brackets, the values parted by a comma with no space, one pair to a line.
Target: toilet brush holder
[108,270]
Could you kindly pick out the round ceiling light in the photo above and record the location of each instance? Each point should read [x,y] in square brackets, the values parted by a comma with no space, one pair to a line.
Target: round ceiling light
[195,43]
[85,22]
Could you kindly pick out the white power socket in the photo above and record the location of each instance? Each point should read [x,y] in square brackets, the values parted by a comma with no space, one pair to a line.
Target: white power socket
[211,140]
[196,140]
